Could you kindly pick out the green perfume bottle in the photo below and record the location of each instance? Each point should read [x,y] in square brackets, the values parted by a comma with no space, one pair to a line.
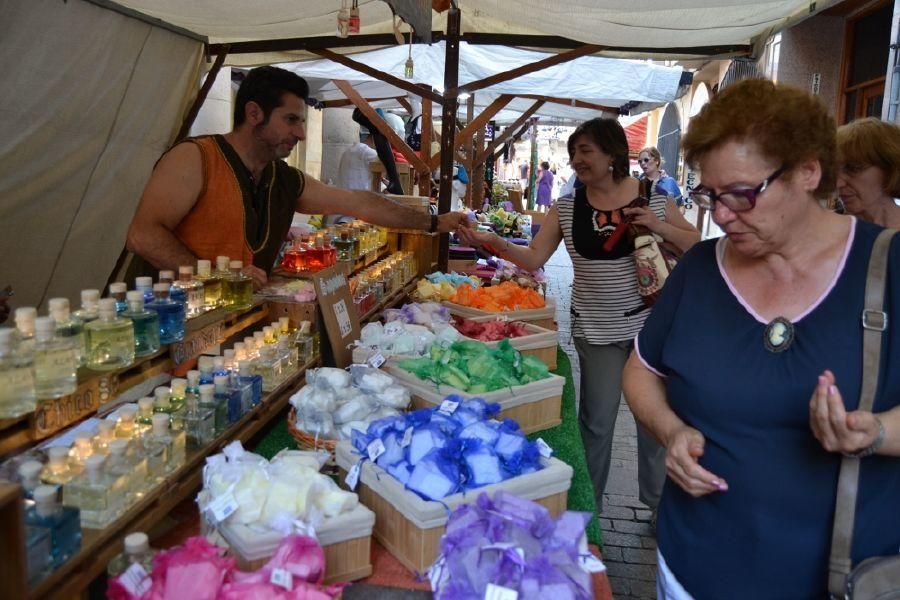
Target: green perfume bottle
[145,323]
[212,285]
[110,340]
[238,288]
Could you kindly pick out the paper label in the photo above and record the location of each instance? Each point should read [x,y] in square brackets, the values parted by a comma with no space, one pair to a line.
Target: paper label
[497,592]
[375,449]
[503,546]
[222,507]
[591,563]
[342,317]
[282,578]
[545,450]
[448,407]
[407,437]
[353,476]
[377,360]
[435,573]
[135,580]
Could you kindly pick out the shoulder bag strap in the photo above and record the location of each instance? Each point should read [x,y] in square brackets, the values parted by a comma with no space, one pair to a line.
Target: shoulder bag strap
[874,322]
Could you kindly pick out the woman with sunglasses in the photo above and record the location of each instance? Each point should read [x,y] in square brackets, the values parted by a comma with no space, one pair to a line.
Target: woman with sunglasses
[607,310]
[748,369]
[869,179]
[650,161]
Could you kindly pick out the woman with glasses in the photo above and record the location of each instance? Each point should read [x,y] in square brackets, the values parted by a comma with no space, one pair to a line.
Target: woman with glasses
[607,310]
[650,161]
[748,369]
[869,180]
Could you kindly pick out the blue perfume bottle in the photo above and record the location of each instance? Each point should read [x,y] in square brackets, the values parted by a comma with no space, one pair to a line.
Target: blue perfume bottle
[230,397]
[146,324]
[38,548]
[176,294]
[171,314]
[246,376]
[62,521]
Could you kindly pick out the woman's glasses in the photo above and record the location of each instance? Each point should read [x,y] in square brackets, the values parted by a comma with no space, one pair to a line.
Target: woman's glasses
[739,200]
[643,160]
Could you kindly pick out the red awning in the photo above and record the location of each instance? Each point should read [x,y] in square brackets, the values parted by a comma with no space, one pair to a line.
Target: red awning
[636,133]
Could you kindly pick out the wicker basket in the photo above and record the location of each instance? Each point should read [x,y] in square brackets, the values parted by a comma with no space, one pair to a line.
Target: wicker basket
[305,440]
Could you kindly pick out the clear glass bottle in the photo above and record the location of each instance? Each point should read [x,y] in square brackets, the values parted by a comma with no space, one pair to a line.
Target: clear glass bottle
[145,322]
[223,272]
[118,291]
[179,392]
[199,423]
[212,285]
[62,521]
[99,495]
[55,365]
[106,433]
[344,247]
[17,396]
[227,399]
[30,477]
[59,470]
[240,353]
[247,377]
[171,314]
[175,294]
[305,343]
[90,306]
[289,356]
[144,285]
[219,367]
[145,411]
[110,339]
[38,550]
[82,449]
[193,291]
[205,365]
[269,368]
[228,362]
[244,389]
[269,336]
[25,318]
[193,385]
[162,403]
[238,288]
[208,402]
[132,466]
[127,426]
[68,326]
[137,551]
[259,337]
[173,440]
[284,326]
[250,348]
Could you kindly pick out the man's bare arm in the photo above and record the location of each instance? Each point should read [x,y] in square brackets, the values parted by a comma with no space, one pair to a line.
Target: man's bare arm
[170,194]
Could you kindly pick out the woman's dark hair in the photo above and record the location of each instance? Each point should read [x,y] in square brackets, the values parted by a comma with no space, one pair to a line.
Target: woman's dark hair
[609,136]
[266,86]
[545,165]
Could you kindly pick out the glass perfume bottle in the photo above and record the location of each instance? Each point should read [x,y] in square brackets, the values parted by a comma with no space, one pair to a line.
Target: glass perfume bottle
[127,426]
[208,402]
[229,398]
[174,442]
[344,247]
[54,362]
[145,322]
[67,326]
[38,550]
[222,271]
[247,376]
[259,339]
[199,423]
[238,288]
[228,362]
[137,551]
[17,396]
[171,315]
[59,470]
[106,433]
[193,385]
[175,294]
[269,336]
[110,339]
[97,494]
[162,404]
[305,343]
[218,363]
[179,392]
[62,521]
[288,354]
[285,327]
[118,291]
[82,449]
[212,285]
[132,467]
[240,353]
[145,411]
[250,348]
[269,368]
[193,291]
[144,285]
[25,318]
[205,365]
[30,477]
[90,306]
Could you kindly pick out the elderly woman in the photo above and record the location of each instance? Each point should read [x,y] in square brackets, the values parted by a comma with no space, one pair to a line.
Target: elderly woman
[748,370]
[607,310]
[869,179]
[650,161]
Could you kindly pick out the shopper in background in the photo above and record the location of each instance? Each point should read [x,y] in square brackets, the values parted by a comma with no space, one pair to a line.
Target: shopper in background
[234,195]
[545,179]
[607,310]
[869,178]
[748,369]
[650,161]
[353,169]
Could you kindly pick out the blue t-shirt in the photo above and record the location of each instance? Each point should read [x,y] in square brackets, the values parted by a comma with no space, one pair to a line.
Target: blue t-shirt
[769,535]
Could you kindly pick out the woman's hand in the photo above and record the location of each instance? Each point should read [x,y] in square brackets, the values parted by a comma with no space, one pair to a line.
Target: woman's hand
[683,450]
[835,428]
[644,216]
[472,237]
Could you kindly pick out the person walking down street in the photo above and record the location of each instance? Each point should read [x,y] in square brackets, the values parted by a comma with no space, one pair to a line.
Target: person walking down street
[607,310]
[650,161]
[544,187]
[749,368]
[869,177]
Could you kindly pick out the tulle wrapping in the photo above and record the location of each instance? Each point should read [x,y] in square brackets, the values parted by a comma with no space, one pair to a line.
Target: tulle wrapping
[514,543]
[436,454]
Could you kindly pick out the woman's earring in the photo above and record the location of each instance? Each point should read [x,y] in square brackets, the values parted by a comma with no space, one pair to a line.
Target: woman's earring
[611,168]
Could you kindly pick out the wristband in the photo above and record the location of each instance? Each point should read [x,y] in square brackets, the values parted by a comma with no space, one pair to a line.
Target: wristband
[872,448]
[434,224]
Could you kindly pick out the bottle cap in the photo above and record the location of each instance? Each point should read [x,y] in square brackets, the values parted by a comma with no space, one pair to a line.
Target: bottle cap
[83,439]
[220,381]
[30,469]
[222,263]
[94,462]
[118,447]
[143,283]
[145,404]
[160,423]
[193,378]
[207,389]
[6,337]
[25,317]
[58,307]
[168,276]
[204,268]
[305,327]
[134,296]
[162,394]
[228,355]
[205,363]
[250,343]
[268,331]
[244,368]
[284,323]
[58,454]
[161,287]
[218,363]
[105,426]
[128,412]
[89,297]
[284,338]
[118,287]
[185,272]
[236,264]
[107,306]
[137,543]
[258,337]
[45,494]
[179,386]
[45,328]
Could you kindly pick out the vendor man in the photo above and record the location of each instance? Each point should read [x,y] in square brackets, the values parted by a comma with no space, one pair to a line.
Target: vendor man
[233,194]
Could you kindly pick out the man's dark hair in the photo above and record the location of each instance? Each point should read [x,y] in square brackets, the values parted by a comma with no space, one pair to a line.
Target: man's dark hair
[265,86]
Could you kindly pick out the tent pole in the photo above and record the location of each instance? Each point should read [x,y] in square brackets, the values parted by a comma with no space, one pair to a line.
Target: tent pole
[476,176]
[425,151]
[470,149]
[475,124]
[532,179]
[508,132]
[201,95]
[448,125]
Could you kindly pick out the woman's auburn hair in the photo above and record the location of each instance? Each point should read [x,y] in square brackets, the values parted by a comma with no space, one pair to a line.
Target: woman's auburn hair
[872,142]
[787,124]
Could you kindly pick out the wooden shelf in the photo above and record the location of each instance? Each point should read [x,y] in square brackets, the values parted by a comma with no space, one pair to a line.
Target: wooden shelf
[389,302]
[98,547]
[349,269]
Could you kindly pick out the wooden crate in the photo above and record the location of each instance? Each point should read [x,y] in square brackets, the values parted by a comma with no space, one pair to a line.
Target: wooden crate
[531,417]
[296,312]
[420,203]
[542,317]
[349,560]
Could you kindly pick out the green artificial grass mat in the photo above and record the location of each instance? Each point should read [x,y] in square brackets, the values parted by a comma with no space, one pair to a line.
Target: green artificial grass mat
[565,439]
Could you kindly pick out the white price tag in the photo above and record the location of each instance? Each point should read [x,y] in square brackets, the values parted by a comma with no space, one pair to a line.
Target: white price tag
[375,449]
[435,573]
[222,507]
[545,450]
[503,546]
[342,317]
[407,437]
[591,563]
[353,476]
[376,360]
[498,592]
[448,407]
[282,578]
[135,580]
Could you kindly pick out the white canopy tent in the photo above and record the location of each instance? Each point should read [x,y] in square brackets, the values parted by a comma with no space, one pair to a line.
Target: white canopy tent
[96,89]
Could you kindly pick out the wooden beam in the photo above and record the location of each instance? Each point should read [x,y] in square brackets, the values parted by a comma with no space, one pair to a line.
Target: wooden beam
[475,124]
[470,151]
[448,128]
[425,150]
[405,104]
[571,102]
[417,89]
[341,102]
[380,124]
[507,133]
[476,177]
[550,61]
[201,95]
